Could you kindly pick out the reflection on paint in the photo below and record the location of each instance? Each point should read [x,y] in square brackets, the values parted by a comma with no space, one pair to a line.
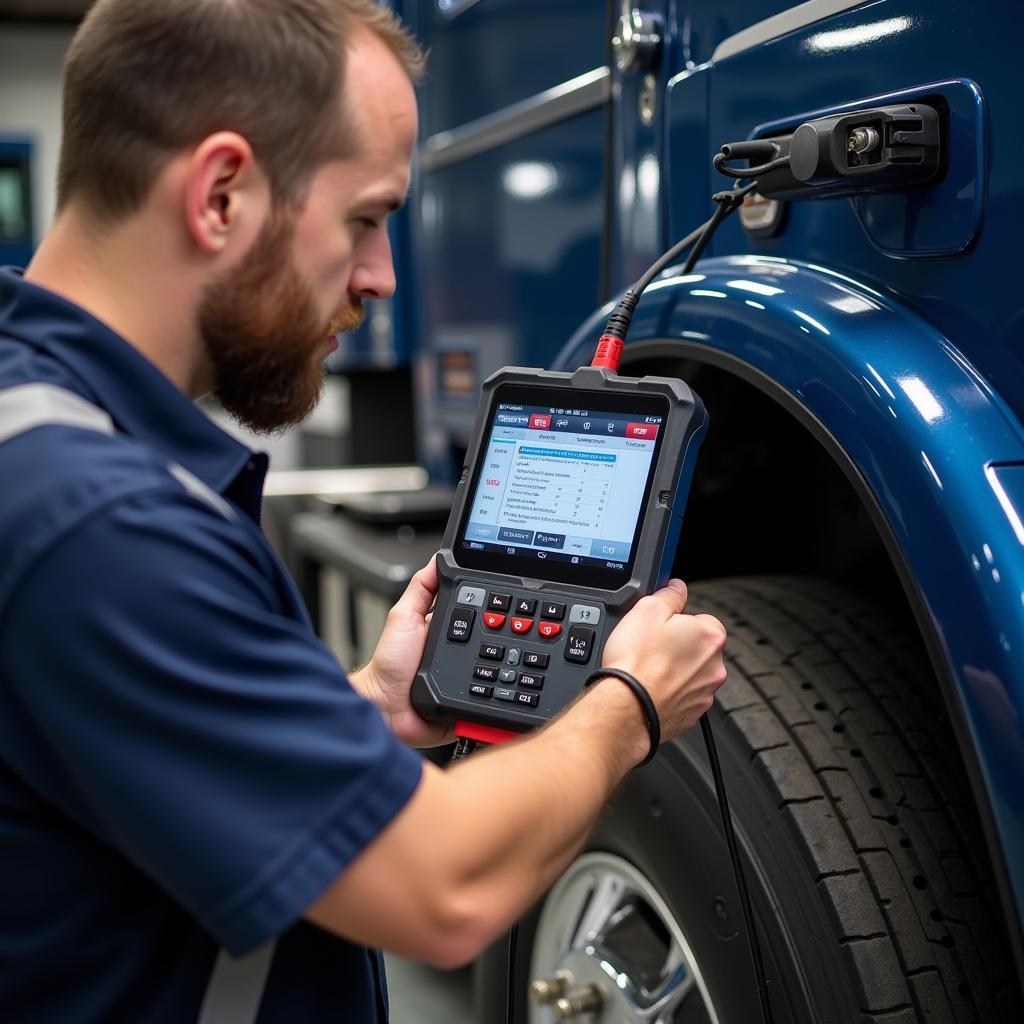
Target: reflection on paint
[755,286]
[1004,501]
[856,35]
[924,401]
[814,323]
[931,469]
[530,179]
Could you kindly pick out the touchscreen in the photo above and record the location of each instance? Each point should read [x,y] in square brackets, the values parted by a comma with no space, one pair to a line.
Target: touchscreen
[565,485]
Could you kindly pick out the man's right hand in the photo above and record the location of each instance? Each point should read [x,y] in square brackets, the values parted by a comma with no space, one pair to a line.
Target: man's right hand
[677,657]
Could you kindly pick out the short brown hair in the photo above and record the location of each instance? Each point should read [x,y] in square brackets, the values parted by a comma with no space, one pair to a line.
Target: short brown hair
[145,78]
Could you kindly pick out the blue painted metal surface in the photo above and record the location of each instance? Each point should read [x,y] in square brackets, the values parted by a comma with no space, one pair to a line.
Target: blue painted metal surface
[873,50]
[497,52]
[923,428]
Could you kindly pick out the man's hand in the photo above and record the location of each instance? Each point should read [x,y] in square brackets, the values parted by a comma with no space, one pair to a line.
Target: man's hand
[387,678]
[677,656]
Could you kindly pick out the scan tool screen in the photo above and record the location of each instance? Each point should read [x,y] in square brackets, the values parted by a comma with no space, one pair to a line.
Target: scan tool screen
[561,485]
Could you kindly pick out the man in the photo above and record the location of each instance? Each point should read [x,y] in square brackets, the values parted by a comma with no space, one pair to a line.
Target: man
[184,769]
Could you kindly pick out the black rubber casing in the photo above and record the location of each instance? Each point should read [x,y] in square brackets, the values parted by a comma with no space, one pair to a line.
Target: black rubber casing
[441,690]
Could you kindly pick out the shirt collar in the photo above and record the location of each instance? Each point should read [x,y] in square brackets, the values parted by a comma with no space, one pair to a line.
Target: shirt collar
[142,402]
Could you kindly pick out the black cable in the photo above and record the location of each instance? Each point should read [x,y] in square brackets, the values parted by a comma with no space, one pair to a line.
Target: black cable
[513,939]
[737,868]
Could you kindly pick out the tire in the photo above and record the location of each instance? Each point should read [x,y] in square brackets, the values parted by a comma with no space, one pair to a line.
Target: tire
[864,858]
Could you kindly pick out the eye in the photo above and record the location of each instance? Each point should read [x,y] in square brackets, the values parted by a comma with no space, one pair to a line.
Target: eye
[370,223]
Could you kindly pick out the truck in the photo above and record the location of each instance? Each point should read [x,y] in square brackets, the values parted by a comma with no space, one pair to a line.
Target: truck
[857,516]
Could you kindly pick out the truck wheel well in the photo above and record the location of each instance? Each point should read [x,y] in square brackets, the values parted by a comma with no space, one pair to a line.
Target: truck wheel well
[768,498]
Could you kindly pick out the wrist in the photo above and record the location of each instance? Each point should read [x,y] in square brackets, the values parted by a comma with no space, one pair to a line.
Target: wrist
[610,710]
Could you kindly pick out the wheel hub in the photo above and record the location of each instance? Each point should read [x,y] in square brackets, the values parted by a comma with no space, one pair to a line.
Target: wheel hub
[609,951]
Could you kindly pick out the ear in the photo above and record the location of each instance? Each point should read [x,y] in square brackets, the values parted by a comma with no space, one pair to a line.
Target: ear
[223,186]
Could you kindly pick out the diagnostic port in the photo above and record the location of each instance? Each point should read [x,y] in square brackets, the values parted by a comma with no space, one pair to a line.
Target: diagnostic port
[863,151]
[860,142]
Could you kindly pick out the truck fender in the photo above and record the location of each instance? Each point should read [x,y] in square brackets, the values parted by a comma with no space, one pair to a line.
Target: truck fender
[932,450]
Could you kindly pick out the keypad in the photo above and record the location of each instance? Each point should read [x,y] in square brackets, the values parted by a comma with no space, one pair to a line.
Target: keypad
[512,672]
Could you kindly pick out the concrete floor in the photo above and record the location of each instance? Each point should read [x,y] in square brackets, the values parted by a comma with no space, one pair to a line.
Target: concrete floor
[422,995]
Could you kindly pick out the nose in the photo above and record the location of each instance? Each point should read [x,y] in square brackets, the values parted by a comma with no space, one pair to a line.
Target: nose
[373,273]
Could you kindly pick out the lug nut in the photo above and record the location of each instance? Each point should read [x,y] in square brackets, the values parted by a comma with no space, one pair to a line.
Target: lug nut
[547,990]
[862,140]
[578,1002]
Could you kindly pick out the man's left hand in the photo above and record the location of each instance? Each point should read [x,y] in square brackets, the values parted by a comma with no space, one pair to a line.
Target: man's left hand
[387,678]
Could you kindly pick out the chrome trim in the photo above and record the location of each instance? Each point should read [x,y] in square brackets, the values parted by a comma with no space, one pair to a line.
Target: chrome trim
[546,108]
[780,24]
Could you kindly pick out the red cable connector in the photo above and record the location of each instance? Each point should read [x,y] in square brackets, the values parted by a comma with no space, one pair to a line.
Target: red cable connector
[609,351]
[483,733]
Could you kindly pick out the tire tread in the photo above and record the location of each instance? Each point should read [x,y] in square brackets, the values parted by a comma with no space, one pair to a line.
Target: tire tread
[862,765]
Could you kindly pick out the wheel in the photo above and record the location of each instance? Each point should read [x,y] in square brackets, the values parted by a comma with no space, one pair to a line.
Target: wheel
[863,856]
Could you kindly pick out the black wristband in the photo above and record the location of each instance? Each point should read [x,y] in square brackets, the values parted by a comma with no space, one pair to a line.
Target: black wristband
[646,704]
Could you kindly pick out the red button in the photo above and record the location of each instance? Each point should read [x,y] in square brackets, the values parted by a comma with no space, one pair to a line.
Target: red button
[492,620]
[549,629]
[538,421]
[521,625]
[642,431]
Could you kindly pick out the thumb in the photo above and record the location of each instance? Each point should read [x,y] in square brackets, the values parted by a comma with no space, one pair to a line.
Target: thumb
[419,595]
[671,598]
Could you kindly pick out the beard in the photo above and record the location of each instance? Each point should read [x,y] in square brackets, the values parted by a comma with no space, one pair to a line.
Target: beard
[264,337]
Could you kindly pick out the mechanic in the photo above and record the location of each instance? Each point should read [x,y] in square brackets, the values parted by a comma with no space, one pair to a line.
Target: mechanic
[184,768]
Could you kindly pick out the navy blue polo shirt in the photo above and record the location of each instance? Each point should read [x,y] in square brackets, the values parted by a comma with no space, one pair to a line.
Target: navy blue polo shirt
[184,767]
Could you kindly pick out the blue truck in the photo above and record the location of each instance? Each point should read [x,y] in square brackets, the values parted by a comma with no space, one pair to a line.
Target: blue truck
[857,517]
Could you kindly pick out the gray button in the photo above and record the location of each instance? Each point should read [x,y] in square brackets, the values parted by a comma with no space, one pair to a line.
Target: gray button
[504,693]
[473,596]
[587,613]
[507,675]
[512,658]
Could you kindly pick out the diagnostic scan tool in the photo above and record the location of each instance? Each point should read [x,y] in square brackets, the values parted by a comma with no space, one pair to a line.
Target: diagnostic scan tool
[568,511]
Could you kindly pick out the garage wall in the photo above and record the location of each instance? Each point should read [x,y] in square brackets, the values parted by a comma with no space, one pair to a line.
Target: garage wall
[31,58]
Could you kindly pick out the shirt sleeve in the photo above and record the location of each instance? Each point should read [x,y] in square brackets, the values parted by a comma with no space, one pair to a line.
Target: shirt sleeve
[211,739]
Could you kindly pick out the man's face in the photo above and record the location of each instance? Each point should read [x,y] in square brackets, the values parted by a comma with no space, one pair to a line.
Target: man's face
[268,323]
